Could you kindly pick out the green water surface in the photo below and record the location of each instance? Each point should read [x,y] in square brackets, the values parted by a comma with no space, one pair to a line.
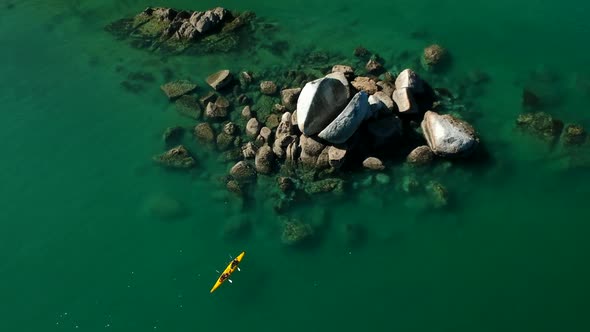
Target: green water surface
[80,250]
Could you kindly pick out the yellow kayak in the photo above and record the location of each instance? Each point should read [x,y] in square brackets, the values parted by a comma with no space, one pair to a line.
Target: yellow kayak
[231,268]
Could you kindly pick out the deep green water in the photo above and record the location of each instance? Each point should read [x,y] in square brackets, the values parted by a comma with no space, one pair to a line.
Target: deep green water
[80,252]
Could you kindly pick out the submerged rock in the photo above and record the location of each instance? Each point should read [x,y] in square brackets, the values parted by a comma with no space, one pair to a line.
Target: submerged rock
[296,233]
[189,106]
[268,87]
[164,207]
[176,89]
[323,186]
[439,194]
[540,124]
[173,135]
[448,136]
[204,132]
[177,157]
[320,101]
[434,57]
[574,134]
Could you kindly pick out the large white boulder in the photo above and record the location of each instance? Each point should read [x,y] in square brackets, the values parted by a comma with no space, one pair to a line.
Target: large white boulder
[320,101]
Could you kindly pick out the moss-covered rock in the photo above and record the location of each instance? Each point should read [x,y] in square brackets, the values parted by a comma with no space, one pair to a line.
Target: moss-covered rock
[574,134]
[438,193]
[188,105]
[541,124]
[173,135]
[177,157]
[434,57]
[204,132]
[334,185]
[178,88]
[296,232]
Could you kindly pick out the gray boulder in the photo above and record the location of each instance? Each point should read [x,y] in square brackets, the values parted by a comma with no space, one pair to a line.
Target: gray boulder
[447,135]
[320,101]
[348,121]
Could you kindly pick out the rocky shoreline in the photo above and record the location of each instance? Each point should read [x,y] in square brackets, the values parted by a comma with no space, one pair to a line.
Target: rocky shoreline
[183,31]
[304,132]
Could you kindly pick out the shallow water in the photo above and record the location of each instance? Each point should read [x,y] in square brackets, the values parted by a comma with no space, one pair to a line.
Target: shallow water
[81,251]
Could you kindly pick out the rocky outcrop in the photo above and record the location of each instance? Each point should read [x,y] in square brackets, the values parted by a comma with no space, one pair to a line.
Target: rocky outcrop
[348,121]
[204,132]
[176,31]
[434,57]
[176,89]
[320,102]
[177,157]
[574,134]
[296,233]
[189,106]
[541,124]
[448,136]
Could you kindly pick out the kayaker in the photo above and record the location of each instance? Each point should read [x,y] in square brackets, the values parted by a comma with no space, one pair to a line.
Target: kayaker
[223,277]
[234,263]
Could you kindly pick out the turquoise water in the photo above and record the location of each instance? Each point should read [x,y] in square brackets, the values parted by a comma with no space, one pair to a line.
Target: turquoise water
[82,252]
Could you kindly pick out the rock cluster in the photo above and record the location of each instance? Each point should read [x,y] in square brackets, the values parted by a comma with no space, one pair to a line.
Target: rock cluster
[175,31]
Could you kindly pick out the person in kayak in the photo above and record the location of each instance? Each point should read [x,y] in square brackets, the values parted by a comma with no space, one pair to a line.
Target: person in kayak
[234,263]
[223,277]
